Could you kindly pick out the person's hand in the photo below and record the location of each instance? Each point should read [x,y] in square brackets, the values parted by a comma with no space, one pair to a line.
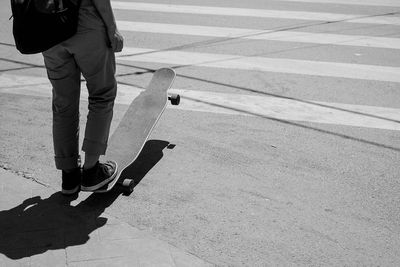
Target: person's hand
[116,40]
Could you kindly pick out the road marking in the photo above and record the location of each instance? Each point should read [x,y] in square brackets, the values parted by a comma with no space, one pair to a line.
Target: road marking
[259,13]
[238,104]
[391,3]
[267,35]
[280,65]
[291,109]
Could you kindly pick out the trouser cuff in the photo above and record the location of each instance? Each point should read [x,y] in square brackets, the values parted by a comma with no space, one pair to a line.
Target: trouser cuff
[63,163]
[94,148]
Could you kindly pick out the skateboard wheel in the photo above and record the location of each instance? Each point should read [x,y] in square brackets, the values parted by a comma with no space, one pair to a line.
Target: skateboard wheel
[128,185]
[175,99]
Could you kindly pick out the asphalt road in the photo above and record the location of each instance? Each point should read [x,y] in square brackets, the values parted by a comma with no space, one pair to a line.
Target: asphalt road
[286,148]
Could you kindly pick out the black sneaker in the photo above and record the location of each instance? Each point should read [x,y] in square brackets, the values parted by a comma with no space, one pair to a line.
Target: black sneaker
[71,181]
[99,175]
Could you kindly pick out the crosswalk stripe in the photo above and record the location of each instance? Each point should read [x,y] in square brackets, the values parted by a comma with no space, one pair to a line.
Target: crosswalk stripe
[390,3]
[279,65]
[261,13]
[254,34]
[233,104]
[291,109]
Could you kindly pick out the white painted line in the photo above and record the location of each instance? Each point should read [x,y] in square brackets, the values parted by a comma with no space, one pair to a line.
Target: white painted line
[258,13]
[392,3]
[239,104]
[9,81]
[254,34]
[40,86]
[291,110]
[280,65]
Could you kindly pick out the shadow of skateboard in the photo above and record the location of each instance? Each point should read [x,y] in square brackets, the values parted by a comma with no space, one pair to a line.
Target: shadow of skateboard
[136,126]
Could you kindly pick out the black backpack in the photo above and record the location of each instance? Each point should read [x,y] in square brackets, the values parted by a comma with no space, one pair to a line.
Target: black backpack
[40,24]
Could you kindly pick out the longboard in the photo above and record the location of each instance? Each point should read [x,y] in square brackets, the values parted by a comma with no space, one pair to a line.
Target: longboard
[136,126]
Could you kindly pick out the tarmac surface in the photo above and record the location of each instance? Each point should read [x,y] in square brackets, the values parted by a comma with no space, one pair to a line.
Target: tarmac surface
[41,227]
[285,149]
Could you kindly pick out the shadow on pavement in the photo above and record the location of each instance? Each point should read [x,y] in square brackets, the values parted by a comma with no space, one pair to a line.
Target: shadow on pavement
[38,225]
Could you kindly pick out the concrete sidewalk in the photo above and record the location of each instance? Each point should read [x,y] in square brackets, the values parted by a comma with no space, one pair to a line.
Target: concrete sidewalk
[41,227]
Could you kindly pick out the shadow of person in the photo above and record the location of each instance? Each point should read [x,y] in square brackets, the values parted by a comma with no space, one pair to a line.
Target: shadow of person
[38,225]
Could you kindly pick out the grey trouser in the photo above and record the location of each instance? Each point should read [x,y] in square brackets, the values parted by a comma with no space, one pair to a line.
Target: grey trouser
[87,53]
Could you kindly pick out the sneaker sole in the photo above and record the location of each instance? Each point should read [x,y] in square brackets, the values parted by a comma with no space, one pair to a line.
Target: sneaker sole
[103,183]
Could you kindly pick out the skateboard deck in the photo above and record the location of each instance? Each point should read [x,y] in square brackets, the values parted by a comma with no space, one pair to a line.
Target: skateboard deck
[136,126]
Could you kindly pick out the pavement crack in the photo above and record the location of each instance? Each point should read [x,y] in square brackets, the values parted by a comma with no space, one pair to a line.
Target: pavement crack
[98,259]
[23,174]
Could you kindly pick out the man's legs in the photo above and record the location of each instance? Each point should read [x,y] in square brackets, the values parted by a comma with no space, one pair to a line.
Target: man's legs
[87,53]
